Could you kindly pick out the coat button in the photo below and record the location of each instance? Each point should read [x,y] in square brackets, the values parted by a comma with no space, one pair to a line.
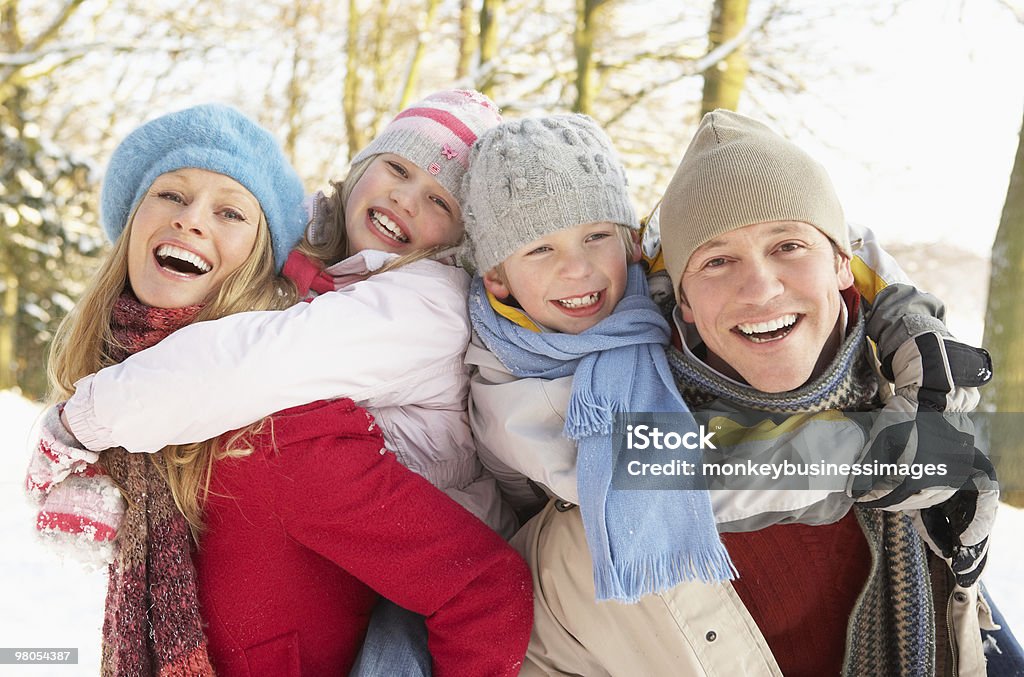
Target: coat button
[711,636]
[960,597]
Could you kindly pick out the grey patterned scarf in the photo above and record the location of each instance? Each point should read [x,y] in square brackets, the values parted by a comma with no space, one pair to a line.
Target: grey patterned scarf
[892,627]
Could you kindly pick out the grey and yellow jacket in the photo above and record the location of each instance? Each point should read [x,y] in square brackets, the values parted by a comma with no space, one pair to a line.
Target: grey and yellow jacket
[518,427]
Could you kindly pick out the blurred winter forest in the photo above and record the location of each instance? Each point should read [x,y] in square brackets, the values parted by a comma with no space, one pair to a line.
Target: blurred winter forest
[325,75]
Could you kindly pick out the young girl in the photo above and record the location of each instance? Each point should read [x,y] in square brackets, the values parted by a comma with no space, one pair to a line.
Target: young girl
[392,339]
[302,516]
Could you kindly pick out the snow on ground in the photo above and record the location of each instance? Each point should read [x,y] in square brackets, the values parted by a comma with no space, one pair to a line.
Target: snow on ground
[1004,574]
[46,602]
[52,603]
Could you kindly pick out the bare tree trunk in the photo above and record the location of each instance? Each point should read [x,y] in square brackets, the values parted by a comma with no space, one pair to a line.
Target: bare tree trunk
[9,329]
[10,41]
[295,82]
[490,12]
[723,82]
[583,41]
[422,38]
[9,333]
[467,39]
[9,26]
[350,105]
[1004,335]
[382,65]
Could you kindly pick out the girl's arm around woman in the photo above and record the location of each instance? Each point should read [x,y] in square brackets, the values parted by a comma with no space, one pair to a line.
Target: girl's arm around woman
[392,339]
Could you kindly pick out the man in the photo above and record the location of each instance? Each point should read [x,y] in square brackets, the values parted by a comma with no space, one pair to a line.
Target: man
[757,250]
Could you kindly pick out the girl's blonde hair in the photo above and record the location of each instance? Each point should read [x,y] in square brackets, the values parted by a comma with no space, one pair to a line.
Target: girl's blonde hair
[332,238]
[85,343]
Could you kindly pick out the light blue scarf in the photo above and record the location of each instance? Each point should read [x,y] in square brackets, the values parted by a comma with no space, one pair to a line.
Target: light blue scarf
[641,541]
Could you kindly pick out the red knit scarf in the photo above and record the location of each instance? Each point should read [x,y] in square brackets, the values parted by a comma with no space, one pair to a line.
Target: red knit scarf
[151,625]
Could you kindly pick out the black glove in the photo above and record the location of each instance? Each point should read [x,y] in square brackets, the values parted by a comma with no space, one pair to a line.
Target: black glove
[938,373]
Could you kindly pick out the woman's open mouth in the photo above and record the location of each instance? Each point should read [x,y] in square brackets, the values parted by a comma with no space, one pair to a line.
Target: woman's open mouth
[181,261]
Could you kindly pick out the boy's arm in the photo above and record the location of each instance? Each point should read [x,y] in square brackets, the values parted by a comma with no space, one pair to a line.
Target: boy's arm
[954,505]
[932,374]
[377,341]
[952,502]
[517,424]
[749,503]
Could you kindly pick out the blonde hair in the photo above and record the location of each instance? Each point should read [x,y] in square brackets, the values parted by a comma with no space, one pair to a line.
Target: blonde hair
[332,244]
[85,343]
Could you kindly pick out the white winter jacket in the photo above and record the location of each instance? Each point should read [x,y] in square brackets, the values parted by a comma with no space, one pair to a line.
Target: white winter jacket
[393,342]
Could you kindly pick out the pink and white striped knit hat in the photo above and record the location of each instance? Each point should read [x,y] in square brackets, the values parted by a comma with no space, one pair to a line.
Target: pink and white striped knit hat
[437,133]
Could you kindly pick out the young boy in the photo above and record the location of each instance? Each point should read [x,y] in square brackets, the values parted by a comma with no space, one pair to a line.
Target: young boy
[563,339]
[551,238]
[551,232]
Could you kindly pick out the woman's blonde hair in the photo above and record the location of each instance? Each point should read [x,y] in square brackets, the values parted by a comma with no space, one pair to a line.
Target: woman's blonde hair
[332,238]
[85,343]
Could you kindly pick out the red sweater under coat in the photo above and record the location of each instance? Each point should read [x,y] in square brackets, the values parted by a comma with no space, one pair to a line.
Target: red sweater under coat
[800,583]
[300,536]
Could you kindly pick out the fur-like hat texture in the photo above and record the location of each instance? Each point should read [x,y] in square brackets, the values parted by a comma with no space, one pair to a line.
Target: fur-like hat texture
[216,138]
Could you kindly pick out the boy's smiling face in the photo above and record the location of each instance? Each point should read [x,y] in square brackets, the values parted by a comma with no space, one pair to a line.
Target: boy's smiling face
[567,281]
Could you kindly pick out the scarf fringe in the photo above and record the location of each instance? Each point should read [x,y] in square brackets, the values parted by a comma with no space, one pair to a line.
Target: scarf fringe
[589,416]
[655,573]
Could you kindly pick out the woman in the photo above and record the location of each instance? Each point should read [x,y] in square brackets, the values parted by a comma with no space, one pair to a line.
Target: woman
[299,518]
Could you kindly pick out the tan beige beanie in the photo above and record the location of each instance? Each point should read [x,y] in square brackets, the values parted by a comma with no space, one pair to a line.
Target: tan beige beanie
[737,172]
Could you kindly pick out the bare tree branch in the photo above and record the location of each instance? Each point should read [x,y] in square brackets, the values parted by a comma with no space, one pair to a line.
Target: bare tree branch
[423,36]
[695,66]
[720,53]
[1017,11]
[50,31]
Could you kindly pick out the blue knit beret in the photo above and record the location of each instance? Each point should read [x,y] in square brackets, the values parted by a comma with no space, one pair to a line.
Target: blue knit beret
[216,138]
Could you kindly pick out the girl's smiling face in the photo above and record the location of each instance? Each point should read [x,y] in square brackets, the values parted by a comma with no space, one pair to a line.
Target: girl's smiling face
[192,229]
[397,207]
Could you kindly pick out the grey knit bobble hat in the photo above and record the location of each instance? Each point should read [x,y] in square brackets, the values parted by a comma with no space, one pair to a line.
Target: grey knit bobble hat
[737,172]
[532,177]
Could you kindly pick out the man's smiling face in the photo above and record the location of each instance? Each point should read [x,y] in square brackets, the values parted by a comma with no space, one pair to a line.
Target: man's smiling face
[765,300]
